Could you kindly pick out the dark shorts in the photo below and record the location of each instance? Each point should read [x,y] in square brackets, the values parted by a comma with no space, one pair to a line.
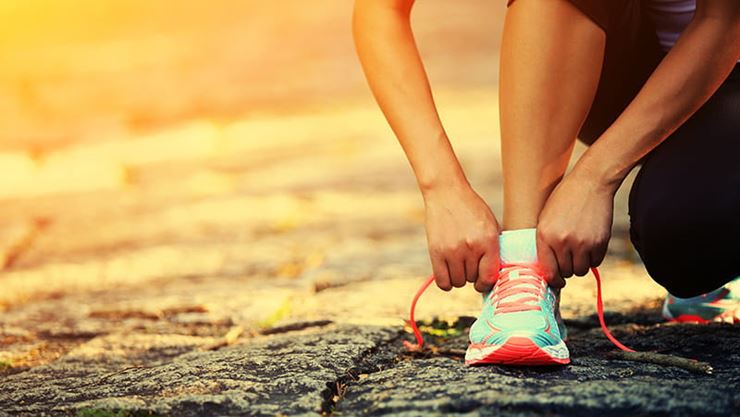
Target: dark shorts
[684,205]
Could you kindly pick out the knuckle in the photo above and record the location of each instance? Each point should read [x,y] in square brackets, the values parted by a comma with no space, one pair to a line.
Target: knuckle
[461,246]
[544,234]
[452,248]
[547,230]
[563,236]
[572,240]
[542,231]
[555,236]
[490,234]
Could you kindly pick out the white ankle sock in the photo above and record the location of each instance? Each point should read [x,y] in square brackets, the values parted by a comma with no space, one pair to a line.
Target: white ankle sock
[518,246]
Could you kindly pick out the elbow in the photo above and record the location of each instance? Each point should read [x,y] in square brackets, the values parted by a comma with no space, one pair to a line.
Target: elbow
[735,32]
[722,16]
[731,29]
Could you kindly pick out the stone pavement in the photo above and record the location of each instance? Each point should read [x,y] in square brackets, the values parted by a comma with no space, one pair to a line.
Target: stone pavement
[264,266]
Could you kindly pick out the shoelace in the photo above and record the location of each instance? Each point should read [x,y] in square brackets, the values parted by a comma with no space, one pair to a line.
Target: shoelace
[518,305]
[526,283]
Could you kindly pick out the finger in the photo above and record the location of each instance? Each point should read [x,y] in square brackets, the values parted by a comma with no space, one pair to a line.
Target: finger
[471,267]
[441,274]
[487,272]
[597,254]
[565,262]
[581,263]
[457,272]
[549,264]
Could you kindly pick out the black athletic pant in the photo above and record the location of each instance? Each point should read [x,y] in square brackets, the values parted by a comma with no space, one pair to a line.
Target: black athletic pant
[685,203]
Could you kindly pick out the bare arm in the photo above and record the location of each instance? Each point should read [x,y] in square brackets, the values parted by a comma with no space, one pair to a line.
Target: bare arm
[387,50]
[701,60]
[461,230]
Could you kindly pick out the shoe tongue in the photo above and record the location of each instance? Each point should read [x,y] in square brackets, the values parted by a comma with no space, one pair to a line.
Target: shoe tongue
[518,246]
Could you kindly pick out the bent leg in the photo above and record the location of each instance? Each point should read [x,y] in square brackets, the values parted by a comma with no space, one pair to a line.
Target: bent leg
[685,202]
[551,59]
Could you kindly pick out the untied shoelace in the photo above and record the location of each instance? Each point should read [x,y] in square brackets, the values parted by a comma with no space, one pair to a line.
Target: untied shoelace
[512,306]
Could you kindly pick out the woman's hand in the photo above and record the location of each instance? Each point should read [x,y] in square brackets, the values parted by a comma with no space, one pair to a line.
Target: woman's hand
[462,233]
[575,226]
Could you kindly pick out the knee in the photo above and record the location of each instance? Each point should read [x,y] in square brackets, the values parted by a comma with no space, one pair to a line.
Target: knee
[681,247]
[669,261]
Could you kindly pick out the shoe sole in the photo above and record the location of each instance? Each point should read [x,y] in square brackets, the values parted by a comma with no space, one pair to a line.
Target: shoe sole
[683,318]
[690,318]
[519,351]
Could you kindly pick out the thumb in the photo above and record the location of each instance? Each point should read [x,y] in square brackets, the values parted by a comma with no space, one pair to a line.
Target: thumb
[488,270]
[549,264]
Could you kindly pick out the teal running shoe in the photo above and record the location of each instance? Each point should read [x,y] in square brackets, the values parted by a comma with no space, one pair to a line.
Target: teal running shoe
[518,324]
[720,305]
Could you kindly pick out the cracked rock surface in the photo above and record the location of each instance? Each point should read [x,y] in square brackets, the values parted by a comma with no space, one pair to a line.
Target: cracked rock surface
[261,262]
[289,374]
[592,385]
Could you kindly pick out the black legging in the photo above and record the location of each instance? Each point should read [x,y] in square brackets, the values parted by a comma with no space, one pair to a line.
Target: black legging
[685,202]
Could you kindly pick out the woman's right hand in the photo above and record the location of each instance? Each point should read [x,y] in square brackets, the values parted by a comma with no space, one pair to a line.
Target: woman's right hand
[462,234]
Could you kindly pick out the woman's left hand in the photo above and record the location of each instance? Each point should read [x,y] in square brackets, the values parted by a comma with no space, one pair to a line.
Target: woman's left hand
[574,227]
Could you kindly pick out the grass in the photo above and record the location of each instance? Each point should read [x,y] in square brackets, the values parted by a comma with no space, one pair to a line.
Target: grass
[443,328]
[280,313]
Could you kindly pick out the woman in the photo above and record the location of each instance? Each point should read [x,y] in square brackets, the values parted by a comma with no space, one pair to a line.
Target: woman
[617,75]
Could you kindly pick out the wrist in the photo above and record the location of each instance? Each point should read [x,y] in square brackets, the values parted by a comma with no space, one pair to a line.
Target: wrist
[443,182]
[606,174]
[441,173]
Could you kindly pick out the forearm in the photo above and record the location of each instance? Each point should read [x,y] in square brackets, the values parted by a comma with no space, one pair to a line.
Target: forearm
[692,71]
[395,73]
